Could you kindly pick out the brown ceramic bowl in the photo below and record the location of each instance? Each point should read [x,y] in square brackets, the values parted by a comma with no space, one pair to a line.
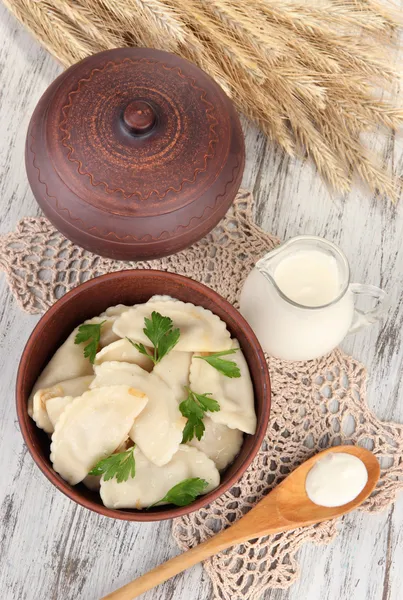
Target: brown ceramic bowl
[131,287]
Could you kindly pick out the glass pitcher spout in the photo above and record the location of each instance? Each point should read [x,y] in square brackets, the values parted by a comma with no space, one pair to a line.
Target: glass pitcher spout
[267,264]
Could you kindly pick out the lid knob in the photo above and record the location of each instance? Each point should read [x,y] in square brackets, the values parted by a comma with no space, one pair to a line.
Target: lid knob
[139,117]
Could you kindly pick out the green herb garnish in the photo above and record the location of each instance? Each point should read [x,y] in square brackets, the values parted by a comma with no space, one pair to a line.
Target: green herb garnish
[91,333]
[159,331]
[185,492]
[229,368]
[121,465]
[194,408]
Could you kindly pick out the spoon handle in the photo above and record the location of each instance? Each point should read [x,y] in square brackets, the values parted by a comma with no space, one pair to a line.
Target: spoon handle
[263,519]
[167,570]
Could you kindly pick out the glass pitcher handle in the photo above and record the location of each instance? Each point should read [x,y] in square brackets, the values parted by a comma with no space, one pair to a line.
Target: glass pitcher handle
[364,318]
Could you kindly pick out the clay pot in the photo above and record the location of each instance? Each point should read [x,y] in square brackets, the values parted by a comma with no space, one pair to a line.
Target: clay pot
[134,153]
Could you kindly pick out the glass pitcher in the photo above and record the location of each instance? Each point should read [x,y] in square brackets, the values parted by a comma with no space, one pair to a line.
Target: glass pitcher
[299,300]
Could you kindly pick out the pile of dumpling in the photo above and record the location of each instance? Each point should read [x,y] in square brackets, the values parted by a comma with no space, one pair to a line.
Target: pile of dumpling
[93,410]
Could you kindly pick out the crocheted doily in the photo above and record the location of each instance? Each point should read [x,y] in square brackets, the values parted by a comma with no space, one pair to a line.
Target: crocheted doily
[315,404]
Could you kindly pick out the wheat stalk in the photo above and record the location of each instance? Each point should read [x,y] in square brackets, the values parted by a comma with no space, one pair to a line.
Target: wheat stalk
[306,71]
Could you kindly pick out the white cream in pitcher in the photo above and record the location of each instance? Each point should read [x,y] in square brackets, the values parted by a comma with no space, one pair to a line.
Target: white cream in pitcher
[308,277]
[299,302]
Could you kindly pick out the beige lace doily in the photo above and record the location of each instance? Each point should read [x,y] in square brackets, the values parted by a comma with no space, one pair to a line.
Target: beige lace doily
[315,404]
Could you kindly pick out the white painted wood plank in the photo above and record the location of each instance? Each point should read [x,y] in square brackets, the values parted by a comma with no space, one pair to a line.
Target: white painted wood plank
[393,582]
[54,549]
[352,567]
[26,70]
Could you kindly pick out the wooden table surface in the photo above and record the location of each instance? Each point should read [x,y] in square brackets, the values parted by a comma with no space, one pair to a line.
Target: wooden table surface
[52,549]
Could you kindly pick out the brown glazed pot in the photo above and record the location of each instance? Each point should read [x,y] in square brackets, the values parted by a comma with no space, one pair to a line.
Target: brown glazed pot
[134,153]
[131,287]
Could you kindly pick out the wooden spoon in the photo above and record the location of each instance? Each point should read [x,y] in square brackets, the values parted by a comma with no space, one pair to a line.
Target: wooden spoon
[286,507]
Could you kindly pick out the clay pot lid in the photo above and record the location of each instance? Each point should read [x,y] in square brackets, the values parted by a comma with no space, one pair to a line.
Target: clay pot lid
[134,153]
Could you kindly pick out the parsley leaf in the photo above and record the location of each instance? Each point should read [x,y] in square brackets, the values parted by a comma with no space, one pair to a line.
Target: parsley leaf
[121,465]
[194,427]
[184,492]
[167,342]
[194,408]
[91,333]
[141,348]
[229,368]
[207,403]
[156,327]
[159,331]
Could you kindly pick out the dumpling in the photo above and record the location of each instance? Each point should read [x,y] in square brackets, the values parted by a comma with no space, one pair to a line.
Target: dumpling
[58,396]
[219,442]
[158,430]
[235,396]
[123,351]
[201,330]
[115,311]
[151,483]
[55,407]
[108,336]
[69,361]
[92,427]
[174,369]
[38,410]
